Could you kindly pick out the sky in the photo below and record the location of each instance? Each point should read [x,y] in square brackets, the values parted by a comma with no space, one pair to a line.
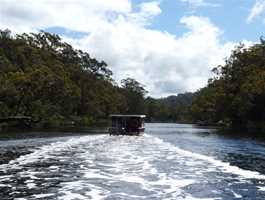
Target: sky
[170,46]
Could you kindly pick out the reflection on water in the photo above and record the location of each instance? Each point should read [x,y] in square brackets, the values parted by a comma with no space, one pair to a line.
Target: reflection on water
[170,161]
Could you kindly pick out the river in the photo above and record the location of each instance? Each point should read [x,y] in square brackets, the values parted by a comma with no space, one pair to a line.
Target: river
[170,161]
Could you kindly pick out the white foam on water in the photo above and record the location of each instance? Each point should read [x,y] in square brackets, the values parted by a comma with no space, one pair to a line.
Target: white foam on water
[29,181]
[5,178]
[193,198]
[130,165]
[31,185]
[126,165]
[72,185]
[109,163]
[224,166]
[32,175]
[174,183]
[70,190]
[54,167]
[237,196]
[97,193]
[95,173]
[261,188]
[38,196]
[44,152]
[129,196]
[5,185]
[68,195]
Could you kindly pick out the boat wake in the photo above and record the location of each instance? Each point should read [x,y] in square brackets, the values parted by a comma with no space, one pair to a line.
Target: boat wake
[123,167]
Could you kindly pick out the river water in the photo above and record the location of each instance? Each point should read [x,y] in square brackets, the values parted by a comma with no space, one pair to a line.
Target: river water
[170,161]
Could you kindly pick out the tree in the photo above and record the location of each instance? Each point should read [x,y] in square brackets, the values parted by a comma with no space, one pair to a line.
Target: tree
[134,94]
[42,76]
[236,95]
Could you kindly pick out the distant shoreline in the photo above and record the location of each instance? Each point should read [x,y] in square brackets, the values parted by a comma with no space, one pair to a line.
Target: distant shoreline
[15,133]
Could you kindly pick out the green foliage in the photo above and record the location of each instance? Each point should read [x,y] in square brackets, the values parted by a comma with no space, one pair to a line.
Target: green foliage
[236,96]
[134,94]
[43,77]
[170,109]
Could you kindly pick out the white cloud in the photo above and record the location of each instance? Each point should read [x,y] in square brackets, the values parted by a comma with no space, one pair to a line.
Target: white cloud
[166,64]
[148,10]
[151,7]
[257,9]
[200,3]
[79,15]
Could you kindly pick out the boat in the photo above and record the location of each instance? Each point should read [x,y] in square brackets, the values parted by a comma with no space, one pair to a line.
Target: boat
[22,122]
[127,124]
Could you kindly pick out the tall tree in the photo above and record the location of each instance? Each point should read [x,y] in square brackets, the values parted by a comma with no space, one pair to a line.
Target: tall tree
[134,93]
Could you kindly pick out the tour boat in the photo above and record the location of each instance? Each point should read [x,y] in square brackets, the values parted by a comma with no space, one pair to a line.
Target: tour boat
[127,124]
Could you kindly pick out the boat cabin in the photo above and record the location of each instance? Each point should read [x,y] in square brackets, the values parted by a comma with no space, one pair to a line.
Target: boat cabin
[127,124]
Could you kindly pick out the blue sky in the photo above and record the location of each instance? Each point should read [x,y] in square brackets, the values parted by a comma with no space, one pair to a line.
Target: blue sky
[168,45]
[229,15]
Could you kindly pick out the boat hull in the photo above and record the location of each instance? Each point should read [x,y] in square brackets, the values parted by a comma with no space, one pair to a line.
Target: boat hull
[123,131]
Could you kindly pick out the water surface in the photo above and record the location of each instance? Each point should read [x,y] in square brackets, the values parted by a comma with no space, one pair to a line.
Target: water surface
[171,161]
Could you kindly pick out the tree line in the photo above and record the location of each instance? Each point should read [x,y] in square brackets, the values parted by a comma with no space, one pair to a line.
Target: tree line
[235,96]
[45,78]
[170,109]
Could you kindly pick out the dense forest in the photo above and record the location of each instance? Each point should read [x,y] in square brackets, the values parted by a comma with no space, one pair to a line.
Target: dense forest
[169,109]
[235,97]
[47,79]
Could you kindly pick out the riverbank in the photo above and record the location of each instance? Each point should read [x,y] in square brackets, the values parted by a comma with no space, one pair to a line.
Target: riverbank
[65,127]
[102,128]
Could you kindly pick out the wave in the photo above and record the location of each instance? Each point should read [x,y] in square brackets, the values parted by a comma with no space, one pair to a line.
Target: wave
[224,166]
[121,167]
[44,152]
